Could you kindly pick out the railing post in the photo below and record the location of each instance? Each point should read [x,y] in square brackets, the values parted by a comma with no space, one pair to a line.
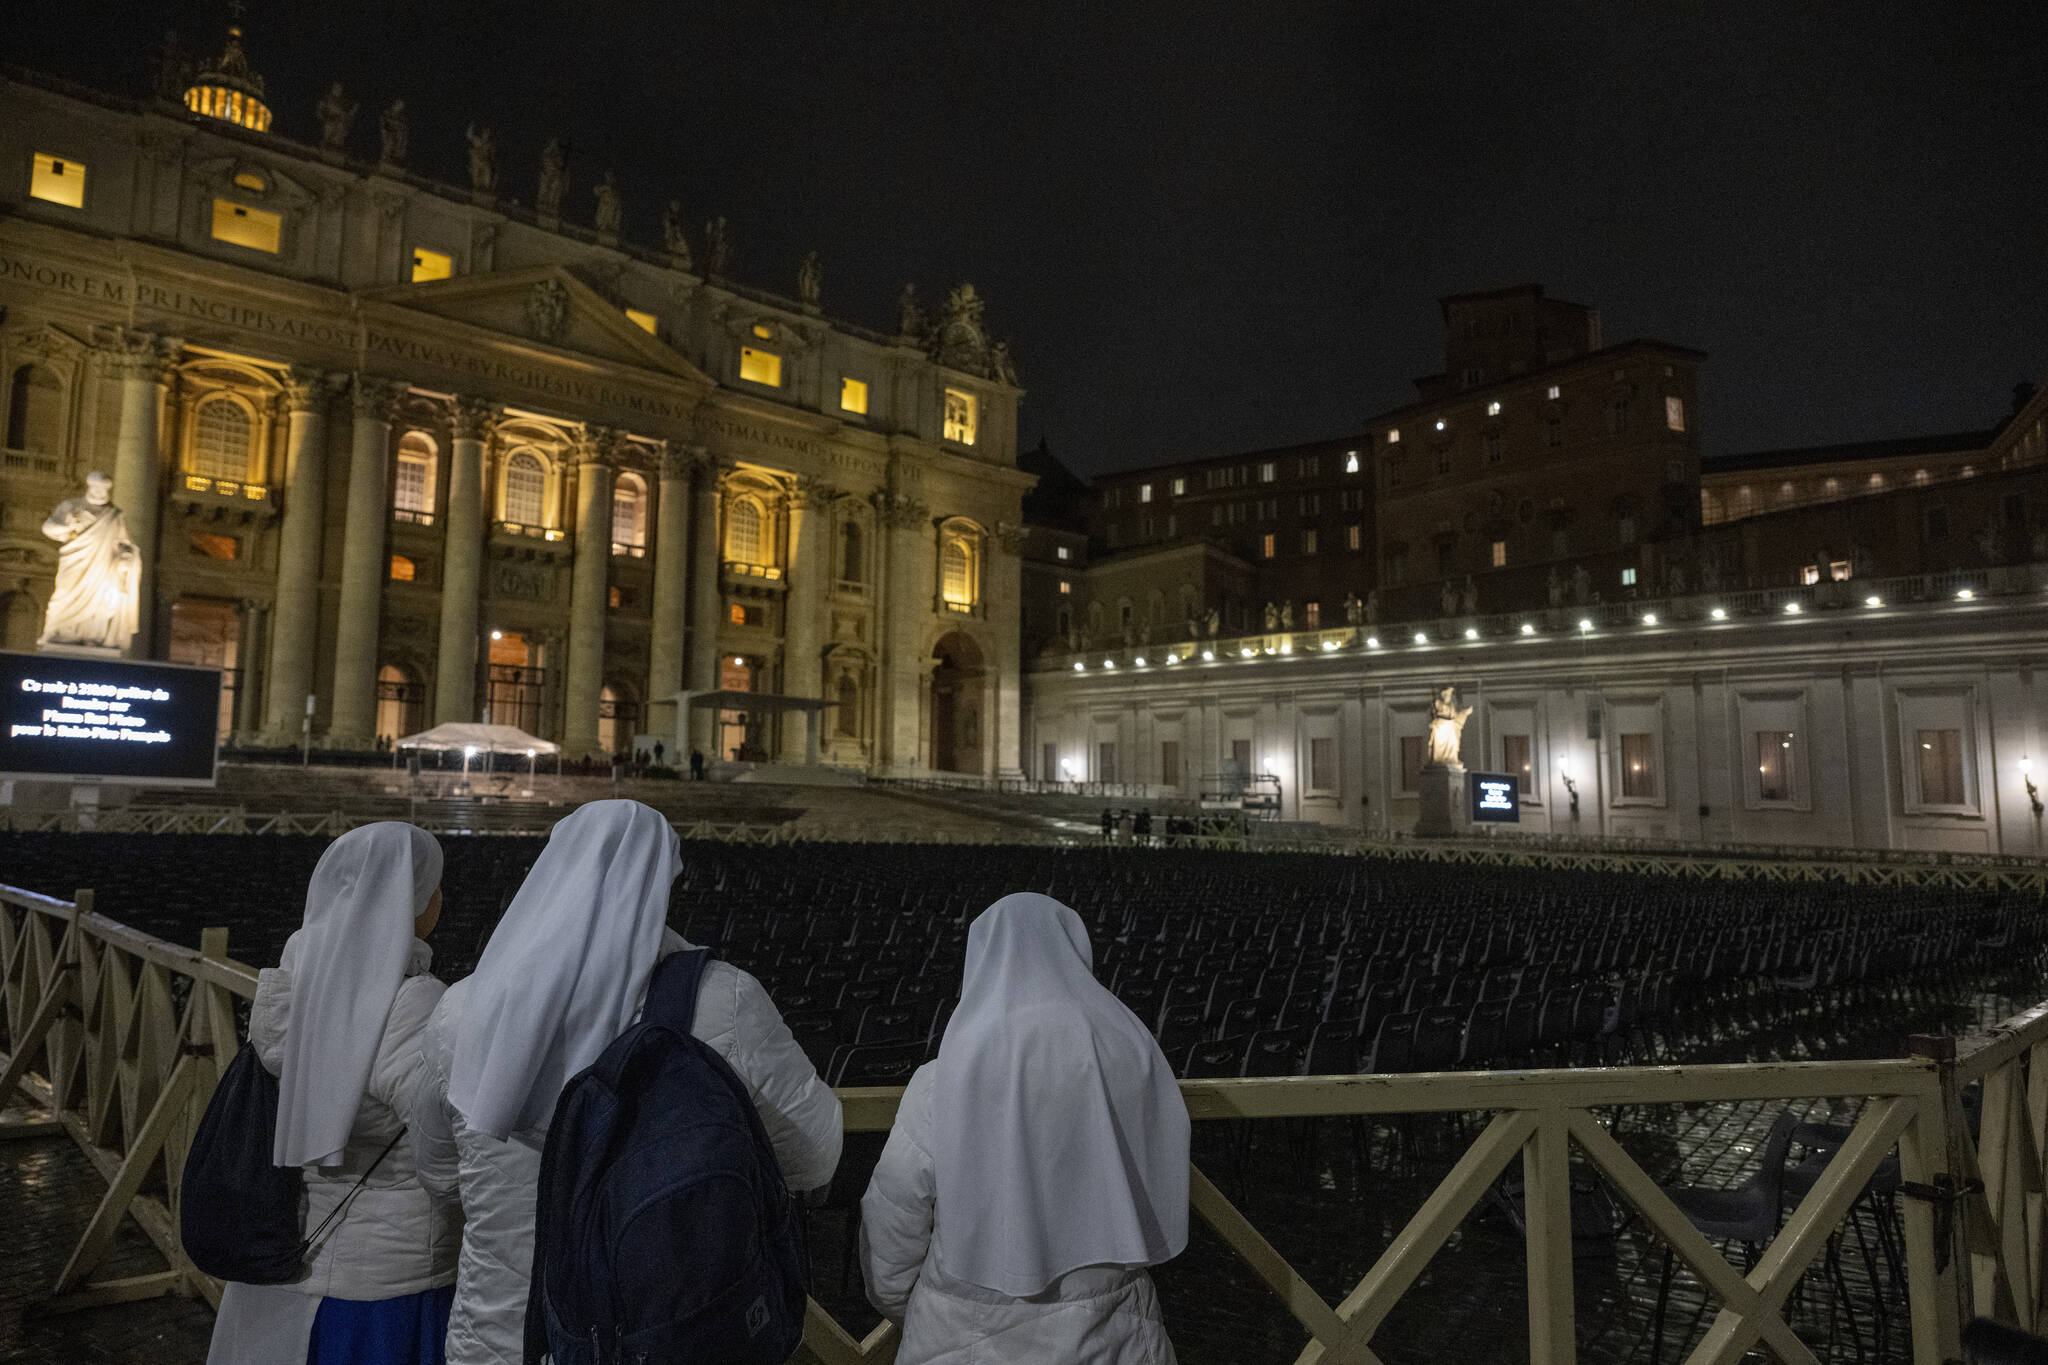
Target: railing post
[1937,1296]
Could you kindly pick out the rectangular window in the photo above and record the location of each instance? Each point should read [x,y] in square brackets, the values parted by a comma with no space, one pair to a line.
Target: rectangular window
[1241,756]
[413,492]
[1169,762]
[1312,614]
[213,546]
[1350,462]
[54,180]
[1105,761]
[403,570]
[1674,413]
[1144,492]
[1628,578]
[1268,472]
[853,394]
[1266,545]
[1514,758]
[760,367]
[741,615]
[240,225]
[645,321]
[1941,767]
[1639,766]
[1322,765]
[1308,541]
[1354,537]
[439,265]
[962,410]
[1839,570]
[1412,753]
[1500,554]
[1776,775]
[1552,392]
[1393,436]
[1066,588]
[1180,487]
[1049,764]
[1064,552]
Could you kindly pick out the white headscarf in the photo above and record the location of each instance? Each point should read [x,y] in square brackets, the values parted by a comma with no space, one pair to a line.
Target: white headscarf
[346,964]
[565,971]
[1062,1136]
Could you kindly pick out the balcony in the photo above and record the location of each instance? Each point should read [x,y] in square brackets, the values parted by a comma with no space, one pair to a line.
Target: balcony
[412,516]
[739,570]
[215,499]
[621,550]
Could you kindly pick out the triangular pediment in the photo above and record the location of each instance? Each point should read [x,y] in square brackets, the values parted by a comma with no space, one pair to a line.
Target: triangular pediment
[544,305]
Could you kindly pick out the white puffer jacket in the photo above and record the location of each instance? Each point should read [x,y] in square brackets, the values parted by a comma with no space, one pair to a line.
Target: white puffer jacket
[395,1239]
[496,1180]
[1098,1315]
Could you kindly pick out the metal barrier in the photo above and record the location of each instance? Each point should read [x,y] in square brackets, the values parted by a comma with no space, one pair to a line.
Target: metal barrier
[121,1037]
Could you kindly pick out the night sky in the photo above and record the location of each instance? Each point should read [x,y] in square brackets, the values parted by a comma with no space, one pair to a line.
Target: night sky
[1213,228]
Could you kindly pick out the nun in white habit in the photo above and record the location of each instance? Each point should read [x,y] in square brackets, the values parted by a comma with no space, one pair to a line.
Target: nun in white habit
[1035,1169]
[565,973]
[339,1022]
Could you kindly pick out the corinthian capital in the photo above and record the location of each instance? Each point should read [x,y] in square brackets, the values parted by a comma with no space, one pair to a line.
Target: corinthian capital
[673,461]
[808,491]
[474,418]
[597,445]
[900,511]
[372,398]
[130,353]
[306,388]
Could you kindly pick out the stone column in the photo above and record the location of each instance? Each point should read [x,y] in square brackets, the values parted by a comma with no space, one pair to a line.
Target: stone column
[803,609]
[294,632]
[665,632]
[249,664]
[142,360]
[906,608]
[587,583]
[706,598]
[462,554]
[1001,596]
[352,718]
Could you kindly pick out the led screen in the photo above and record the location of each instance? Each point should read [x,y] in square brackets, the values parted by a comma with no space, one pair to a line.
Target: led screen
[1496,798]
[63,716]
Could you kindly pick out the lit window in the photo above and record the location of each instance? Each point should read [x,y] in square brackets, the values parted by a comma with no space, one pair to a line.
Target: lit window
[1674,413]
[1267,472]
[615,598]
[1777,773]
[736,614]
[853,394]
[761,331]
[646,322]
[1066,588]
[240,225]
[215,546]
[1312,615]
[1144,492]
[413,493]
[629,515]
[1840,570]
[57,181]
[1180,487]
[221,434]
[760,367]
[746,538]
[252,180]
[1354,537]
[403,570]
[1639,766]
[526,485]
[961,414]
[1941,767]
[1809,575]
[1394,436]
[1064,553]
[1493,409]
[1500,554]
[1553,392]
[1350,462]
[956,565]
[1308,541]
[1266,542]
[1628,578]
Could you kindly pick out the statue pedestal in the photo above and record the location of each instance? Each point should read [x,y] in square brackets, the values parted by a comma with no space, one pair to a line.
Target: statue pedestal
[81,651]
[1444,810]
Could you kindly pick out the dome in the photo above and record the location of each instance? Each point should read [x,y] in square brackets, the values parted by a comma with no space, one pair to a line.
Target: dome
[227,89]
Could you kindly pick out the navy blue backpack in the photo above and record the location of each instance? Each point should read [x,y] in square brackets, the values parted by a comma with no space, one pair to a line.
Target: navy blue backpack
[238,1215]
[664,1234]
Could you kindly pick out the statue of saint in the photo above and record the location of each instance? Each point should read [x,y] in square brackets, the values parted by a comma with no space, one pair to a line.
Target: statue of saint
[717,247]
[1214,622]
[1001,366]
[673,237]
[1469,598]
[337,113]
[394,130]
[554,175]
[810,280]
[1448,599]
[1446,727]
[1556,586]
[1354,610]
[909,316]
[1582,585]
[609,209]
[173,70]
[1287,615]
[97,571]
[483,160]
[1272,617]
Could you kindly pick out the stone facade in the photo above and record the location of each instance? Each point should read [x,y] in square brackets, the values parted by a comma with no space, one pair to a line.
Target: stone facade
[423,455]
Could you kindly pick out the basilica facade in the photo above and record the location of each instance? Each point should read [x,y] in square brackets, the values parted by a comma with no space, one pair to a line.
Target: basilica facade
[396,453]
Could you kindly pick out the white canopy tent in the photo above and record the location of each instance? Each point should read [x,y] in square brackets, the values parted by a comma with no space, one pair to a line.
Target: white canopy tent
[458,736]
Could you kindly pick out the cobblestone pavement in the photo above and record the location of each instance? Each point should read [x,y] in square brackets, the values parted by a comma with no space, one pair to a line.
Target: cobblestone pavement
[1329,1199]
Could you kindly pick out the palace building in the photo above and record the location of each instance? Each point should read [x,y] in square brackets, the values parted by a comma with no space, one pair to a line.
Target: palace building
[423,453]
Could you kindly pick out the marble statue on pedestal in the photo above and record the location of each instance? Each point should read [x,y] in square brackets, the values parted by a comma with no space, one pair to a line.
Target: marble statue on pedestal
[98,572]
[1440,786]
[1446,727]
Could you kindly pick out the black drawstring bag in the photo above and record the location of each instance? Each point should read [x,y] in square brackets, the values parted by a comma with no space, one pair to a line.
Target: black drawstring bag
[239,1215]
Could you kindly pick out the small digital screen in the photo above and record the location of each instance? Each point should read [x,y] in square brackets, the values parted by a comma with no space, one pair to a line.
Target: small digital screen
[1495,798]
[62,716]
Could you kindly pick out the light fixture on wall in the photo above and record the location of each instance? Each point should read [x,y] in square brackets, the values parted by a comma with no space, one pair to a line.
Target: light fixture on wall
[2033,792]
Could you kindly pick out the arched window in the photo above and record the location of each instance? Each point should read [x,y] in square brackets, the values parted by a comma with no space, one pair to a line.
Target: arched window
[850,566]
[221,434]
[526,486]
[746,539]
[412,497]
[629,515]
[956,572]
[849,707]
[35,409]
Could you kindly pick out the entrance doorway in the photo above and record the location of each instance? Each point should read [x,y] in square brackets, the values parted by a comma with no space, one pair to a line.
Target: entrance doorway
[740,736]
[515,683]
[208,632]
[956,705]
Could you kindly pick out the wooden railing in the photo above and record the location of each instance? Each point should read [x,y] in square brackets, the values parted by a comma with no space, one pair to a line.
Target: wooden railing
[119,1038]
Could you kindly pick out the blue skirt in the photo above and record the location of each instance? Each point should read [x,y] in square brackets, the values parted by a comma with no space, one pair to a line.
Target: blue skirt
[408,1331]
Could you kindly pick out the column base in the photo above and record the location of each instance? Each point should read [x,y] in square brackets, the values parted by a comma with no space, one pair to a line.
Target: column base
[334,739]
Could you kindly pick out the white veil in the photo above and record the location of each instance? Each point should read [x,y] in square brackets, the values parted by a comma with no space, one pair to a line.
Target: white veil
[347,962]
[1062,1138]
[565,972]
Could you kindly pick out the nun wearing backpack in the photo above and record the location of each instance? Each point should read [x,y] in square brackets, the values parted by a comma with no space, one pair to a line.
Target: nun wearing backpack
[338,1022]
[564,975]
[1036,1167]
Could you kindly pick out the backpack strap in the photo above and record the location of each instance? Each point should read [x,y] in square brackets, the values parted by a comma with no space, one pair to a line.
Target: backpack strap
[672,989]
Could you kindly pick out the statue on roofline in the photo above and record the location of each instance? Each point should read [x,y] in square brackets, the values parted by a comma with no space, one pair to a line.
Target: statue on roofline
[483,160]
[610,210]
[394,130]
[673,238]
[337,114]
[554,178]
